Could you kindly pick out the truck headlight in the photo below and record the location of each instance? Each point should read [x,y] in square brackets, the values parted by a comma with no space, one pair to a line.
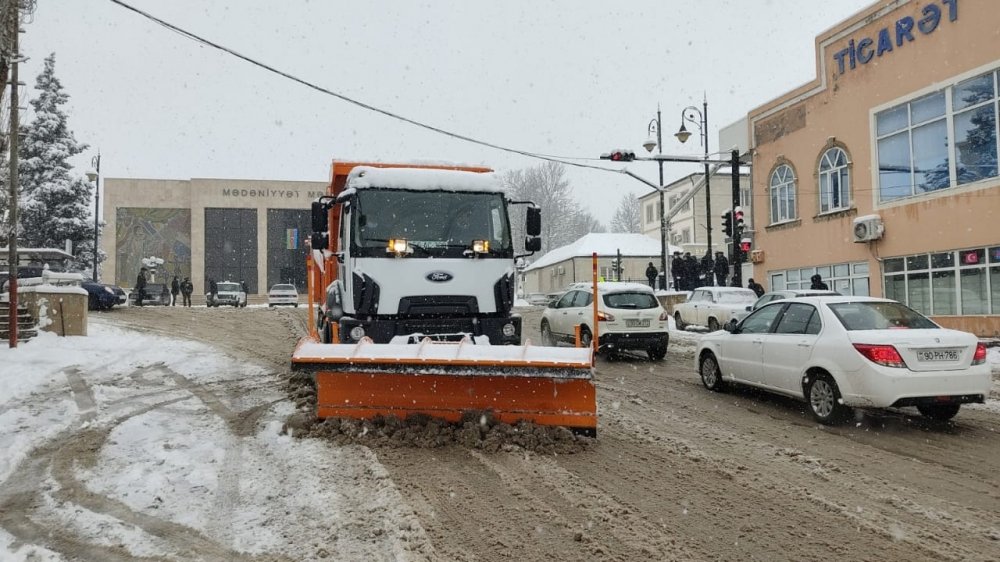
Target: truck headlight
[357,333]
[509,330]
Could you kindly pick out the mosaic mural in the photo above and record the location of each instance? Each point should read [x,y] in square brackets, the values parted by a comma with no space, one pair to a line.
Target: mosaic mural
[163,233]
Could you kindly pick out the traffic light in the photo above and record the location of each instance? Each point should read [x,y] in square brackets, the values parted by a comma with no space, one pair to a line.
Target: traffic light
[727,223]
[745,245]
[619,156]
[738,223]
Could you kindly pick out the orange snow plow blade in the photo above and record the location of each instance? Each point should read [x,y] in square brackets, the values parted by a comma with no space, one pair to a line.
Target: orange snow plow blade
[446,380]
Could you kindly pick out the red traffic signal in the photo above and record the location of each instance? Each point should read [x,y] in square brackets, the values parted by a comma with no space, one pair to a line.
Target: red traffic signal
[619,156]
[738,219]
[745,245]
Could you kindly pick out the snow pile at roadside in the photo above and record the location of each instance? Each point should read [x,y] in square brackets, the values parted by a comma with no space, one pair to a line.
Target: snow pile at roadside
[157,429]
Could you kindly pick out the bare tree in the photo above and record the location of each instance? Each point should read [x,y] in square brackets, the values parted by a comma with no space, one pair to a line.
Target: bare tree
[627,216]
[562,219]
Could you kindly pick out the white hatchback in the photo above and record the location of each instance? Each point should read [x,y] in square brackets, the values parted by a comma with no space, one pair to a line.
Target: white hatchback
[628,314]
[843,352]
[283,295]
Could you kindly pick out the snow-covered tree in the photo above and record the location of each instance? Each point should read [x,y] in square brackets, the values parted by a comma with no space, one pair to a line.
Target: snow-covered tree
[563,221]
[55,205]
[627,216]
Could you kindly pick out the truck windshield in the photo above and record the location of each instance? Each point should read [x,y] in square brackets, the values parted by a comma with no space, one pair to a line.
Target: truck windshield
[434,223]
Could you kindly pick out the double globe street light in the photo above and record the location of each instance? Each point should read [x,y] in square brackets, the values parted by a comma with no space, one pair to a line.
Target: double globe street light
[651,143]
[693,115]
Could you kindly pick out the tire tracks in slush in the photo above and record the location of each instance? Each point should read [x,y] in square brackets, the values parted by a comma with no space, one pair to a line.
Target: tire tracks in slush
[21,495]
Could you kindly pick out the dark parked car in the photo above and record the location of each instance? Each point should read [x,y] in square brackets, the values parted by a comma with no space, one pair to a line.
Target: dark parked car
[101,296]
[156,294]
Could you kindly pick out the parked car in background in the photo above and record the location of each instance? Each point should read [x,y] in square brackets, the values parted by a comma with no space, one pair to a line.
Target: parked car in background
[537,299]
[229,293]
[630,317]
[102,296]
[712,307]
[282,294]
[838,353]
[157,294]
[781,295]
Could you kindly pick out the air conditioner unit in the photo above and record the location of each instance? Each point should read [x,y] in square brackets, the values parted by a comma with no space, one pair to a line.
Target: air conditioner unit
[757,256]
[868,228]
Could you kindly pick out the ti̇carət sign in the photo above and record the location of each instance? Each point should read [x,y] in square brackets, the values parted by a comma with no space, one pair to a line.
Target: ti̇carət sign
[905,30]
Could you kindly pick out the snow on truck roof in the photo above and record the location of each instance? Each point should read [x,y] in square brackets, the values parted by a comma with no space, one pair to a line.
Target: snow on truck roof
[418,179]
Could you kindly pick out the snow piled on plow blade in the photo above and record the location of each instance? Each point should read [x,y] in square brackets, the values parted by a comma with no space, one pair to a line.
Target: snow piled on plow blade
[544,385]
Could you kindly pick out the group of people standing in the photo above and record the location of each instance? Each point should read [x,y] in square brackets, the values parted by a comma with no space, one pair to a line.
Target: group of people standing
[185,288]
[690,273]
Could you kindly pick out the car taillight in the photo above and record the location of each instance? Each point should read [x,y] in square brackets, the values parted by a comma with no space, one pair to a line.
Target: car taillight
[605,317]
[979,357]
[664,316]
[885,355]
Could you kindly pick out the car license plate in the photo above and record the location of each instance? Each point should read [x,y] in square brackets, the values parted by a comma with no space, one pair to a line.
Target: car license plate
[634,323]
[937,355]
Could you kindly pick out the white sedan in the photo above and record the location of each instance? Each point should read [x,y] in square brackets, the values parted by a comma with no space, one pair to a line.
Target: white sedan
[282,294]
[712,306]
[842,352]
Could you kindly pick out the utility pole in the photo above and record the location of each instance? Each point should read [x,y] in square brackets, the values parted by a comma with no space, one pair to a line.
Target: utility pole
[736,257]
[15,56]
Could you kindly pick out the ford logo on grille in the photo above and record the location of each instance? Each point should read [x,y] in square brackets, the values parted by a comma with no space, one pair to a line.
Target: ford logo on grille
[439,276]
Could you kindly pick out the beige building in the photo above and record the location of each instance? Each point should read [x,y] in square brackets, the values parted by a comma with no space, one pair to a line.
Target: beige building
[881,174]
[223,229]
[573,263]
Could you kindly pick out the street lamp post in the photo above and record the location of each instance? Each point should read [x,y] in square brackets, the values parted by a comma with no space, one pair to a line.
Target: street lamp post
[95,176]
[693,115]
[655,125]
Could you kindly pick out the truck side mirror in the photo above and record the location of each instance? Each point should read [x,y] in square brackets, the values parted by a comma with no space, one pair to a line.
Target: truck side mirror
[319,240]
[532,244]
[320,218]
[534,221]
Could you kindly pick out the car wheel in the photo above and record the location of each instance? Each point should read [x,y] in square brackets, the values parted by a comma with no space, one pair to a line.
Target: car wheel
[711,376]
[824,401]
[547,339]
[296,305]
[713,325]
[657,352]
[586,339]
[939,412]
[681,325]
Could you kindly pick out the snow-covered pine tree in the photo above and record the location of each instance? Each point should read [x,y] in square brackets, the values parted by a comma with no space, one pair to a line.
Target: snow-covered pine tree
[55,206]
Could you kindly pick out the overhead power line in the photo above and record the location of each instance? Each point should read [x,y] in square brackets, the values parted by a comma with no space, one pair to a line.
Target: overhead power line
[308,84]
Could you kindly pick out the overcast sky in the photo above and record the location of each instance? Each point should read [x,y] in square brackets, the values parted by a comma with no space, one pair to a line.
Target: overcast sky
[565,78]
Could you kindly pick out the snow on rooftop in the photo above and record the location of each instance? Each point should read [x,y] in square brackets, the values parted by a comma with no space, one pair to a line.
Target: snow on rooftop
[423,179]
[606,244]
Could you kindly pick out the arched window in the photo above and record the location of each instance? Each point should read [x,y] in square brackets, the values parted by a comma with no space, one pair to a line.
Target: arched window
[782,194]
[834,181]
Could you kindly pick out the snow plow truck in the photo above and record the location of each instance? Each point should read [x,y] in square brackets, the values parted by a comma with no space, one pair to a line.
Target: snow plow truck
[411,286]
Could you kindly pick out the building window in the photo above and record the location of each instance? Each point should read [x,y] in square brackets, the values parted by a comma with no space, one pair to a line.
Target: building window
[845,278]
[686,236]
[649,213]
[960,282]
[834,181]
[782,194]
[940,140]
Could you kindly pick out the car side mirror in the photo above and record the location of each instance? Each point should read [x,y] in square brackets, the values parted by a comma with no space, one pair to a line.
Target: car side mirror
[731,326]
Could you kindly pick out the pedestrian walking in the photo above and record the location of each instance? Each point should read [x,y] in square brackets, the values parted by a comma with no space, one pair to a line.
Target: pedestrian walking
[186,289]
[755,287]
[140,286]
[677,270]
[651,274]
[707,268]
[690,272]
[213,290]
[721,269]
[175,287]
[818,284]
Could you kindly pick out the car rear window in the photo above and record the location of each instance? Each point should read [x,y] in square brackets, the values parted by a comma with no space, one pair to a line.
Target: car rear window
[630,300]
[283,288]
[737,297]
[879,316]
